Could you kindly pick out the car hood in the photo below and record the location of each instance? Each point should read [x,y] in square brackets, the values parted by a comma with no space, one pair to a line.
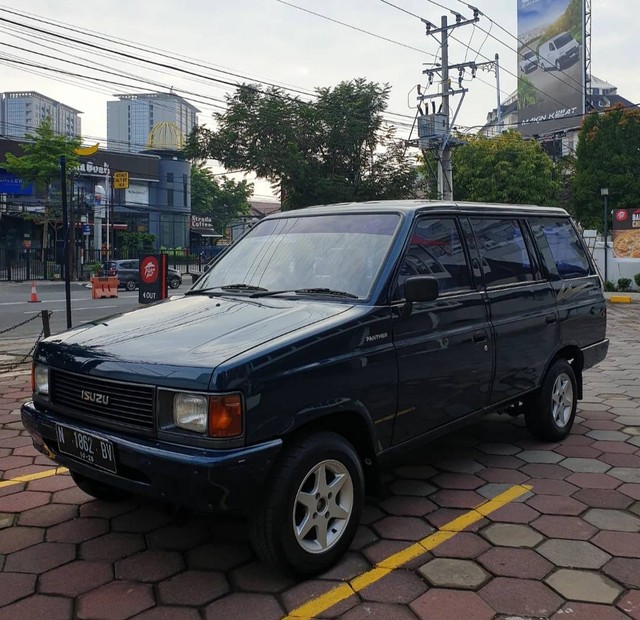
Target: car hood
[189,332]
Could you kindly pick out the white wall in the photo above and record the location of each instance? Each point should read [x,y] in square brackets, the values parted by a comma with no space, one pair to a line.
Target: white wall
[616,267]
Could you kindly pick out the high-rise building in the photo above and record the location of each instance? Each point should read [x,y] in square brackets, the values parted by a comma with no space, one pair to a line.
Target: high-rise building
[22,112]
[130,120]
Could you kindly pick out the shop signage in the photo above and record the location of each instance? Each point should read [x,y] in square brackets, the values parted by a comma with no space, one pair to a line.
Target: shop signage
[198,221]
[11,184]
[120,180]
[626,233]
[89,168]
[203,226]
[153,278]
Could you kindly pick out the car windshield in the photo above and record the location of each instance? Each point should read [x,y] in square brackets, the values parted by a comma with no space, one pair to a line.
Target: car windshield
[342,252]
[529,55]
[562,40]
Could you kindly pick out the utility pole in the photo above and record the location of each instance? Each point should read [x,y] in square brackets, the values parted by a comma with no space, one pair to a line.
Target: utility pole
[446,184]
[434,132]
[67,238]
[499,106]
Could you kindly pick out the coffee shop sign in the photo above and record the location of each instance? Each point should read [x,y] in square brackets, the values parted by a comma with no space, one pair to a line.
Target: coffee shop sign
[201,222]
[89,168]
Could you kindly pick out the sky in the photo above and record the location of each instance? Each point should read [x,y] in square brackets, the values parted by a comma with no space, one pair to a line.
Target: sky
[270,40]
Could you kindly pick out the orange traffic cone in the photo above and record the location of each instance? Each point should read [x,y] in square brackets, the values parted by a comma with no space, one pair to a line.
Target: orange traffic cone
[34,294]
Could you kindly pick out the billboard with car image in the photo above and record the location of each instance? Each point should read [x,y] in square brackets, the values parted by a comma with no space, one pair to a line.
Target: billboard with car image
[551,65]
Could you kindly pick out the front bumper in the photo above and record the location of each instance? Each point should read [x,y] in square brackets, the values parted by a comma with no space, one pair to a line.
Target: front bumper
[226,481]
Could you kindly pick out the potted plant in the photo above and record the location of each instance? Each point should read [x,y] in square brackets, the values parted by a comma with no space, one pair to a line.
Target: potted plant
[94,268]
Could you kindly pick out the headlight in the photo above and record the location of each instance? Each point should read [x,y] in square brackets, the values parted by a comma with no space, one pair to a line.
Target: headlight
[40,379]
[190,411]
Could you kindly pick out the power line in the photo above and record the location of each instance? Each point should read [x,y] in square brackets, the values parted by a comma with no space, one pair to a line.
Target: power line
[362,30]
[403,10]
[517,51]
[570,116]
[442,6]
[120,73]
[156,51]
[159,53]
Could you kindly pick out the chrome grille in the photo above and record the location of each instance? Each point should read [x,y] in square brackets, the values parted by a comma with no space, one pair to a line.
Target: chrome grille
[129,404]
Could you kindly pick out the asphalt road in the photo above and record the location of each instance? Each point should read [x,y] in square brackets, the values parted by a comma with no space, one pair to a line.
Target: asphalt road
[16,308]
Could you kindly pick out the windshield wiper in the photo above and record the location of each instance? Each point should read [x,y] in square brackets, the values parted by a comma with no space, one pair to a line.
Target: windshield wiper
[308,291]
[228,287]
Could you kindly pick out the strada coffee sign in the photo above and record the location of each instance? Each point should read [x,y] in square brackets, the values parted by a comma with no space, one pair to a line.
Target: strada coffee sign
[626,233]
[153,278]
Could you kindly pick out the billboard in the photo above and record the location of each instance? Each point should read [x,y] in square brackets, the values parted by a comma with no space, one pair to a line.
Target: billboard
[551,65]
[626,233]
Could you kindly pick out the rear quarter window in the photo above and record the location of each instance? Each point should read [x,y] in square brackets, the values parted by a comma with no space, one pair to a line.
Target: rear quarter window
[560,247]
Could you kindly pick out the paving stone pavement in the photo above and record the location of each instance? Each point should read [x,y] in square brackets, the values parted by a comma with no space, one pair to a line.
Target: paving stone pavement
[568,549]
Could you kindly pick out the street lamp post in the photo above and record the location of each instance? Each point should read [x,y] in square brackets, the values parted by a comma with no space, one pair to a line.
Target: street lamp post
[604,192]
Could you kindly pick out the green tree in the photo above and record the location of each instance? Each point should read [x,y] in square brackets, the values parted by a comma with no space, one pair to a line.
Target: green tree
[334,149]
[504,169]
[222,200]
[134,243]
[40,163]
[607,155]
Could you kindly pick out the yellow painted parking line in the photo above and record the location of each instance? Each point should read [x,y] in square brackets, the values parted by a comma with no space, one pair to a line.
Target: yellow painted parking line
[323,602]
[29,477]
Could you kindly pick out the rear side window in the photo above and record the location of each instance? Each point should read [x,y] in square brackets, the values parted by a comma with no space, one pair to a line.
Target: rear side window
[436,250]
[503,252]
[558,241]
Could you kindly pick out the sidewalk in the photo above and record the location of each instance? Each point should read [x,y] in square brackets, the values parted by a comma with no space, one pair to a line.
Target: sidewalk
[633,295]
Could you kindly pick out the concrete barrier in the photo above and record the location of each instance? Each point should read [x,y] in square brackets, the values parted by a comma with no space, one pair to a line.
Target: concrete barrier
[104,287]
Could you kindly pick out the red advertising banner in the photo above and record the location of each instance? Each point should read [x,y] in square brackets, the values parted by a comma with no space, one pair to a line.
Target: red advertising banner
[626,233]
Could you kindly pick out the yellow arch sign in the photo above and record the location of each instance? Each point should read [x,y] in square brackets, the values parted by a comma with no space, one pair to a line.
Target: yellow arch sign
[85,151]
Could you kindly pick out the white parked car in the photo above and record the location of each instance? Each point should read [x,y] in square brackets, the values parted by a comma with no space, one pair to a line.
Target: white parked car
[560,51]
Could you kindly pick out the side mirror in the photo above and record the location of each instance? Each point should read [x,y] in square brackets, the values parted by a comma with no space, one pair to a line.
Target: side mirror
[421,288]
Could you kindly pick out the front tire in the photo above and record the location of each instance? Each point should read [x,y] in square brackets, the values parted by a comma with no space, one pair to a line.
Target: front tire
[99,490]
[130,285]
[174,282]
[551,411]
[311,507]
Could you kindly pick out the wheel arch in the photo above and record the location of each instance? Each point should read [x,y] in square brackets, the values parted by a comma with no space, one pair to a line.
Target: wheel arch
[572,354]
[355,427]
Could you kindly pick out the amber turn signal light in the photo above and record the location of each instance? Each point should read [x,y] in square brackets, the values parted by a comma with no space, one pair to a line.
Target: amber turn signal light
[225,416]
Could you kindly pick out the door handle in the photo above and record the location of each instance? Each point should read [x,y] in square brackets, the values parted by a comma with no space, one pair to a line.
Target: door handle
[479,337]
[551,318]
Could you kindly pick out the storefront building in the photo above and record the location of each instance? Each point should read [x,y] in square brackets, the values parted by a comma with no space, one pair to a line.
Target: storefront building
[156,201]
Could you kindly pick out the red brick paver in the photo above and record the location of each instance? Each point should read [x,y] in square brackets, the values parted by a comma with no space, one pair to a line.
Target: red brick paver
[65,556]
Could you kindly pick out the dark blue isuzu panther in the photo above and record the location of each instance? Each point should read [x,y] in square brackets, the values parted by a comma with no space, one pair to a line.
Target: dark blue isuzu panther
[321,343]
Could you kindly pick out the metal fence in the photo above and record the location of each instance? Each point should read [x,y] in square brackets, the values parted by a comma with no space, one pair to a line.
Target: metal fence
[34,264]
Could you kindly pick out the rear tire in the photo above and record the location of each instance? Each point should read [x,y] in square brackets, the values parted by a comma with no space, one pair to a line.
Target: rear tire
[550,413]
[99,490]
[312,506]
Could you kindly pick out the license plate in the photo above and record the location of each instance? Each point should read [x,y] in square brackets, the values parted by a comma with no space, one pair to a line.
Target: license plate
[86,447]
